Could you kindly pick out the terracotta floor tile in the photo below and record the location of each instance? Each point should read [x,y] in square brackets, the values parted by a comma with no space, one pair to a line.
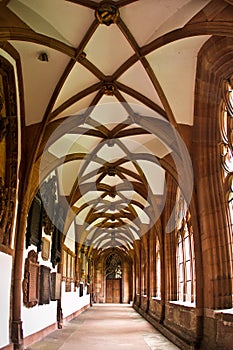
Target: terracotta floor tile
[106,327]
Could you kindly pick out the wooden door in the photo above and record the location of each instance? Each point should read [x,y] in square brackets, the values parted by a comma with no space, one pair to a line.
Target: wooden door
[113,290]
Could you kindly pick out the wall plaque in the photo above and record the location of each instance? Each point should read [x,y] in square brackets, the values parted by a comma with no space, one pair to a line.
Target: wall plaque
[81,289]
[55,286]
[44,289]
[45,249]
[68,285]
[34,224]
[31,279]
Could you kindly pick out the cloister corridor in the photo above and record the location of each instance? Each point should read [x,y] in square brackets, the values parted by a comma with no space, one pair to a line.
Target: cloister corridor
[106,327]
[116,174]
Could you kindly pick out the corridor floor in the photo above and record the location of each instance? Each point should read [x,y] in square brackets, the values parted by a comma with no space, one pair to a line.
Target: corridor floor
[106,327]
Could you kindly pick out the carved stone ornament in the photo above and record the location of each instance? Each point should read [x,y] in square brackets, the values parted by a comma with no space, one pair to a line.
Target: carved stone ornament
[82,56]
[3,120]
[8,150]
[31,280]
[110,170]
[107,14]
[3,200]
[108,89]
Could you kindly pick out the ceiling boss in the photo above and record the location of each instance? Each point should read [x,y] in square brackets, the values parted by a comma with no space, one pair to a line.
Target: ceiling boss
[107,14]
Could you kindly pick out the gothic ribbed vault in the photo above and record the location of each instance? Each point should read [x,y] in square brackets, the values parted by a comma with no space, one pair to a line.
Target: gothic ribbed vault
[105,101]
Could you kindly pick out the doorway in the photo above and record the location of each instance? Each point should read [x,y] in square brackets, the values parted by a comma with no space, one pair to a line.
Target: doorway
[113,272]
[113,290]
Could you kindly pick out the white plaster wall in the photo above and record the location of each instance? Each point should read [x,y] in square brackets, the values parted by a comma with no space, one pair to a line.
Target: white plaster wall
[71,302]
[40,316]
[5,273]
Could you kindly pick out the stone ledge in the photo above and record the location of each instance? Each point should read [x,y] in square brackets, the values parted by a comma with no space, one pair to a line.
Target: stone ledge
[170,334]
[75,314]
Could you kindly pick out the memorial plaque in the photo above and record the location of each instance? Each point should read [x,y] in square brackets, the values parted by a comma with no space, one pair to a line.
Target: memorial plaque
[81,289]
[44,290]
[31,280]
[45,249]
[55,286]
[68,285]
[34,224]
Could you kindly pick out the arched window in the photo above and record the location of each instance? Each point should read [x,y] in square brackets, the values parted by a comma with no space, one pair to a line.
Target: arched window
[158,269]
[113,268]
[185,257]
[226,145]
[143,272]
[226,150]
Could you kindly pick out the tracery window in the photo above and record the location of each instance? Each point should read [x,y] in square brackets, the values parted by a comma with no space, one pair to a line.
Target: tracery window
[185,256]
[144,272]
[113,266]
[226,145]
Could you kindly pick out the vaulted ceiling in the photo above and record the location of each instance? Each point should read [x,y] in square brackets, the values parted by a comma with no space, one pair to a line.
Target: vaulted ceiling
[109,87]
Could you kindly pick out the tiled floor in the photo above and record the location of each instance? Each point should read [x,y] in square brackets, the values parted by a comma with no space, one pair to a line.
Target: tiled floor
[106,327]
